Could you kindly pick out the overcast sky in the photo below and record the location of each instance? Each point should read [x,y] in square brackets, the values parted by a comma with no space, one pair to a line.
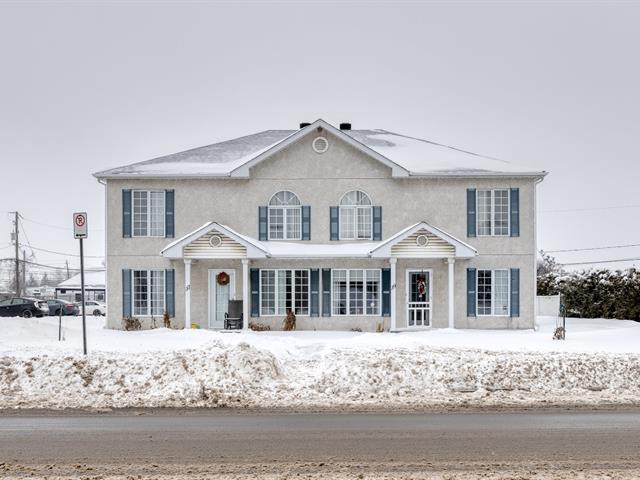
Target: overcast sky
[88,86]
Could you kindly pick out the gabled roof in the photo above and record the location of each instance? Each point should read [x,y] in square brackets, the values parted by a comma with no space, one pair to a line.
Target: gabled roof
[254,247]
[93,279]
[462,249]
[405,155]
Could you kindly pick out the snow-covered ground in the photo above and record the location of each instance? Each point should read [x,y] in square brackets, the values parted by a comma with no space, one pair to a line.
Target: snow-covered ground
[598,363]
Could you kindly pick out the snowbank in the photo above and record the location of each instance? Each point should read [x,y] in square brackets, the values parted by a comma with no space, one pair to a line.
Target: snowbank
[315,369]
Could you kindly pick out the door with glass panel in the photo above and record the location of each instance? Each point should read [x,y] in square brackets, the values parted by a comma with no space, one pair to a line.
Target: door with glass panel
[419,298]
[222,287]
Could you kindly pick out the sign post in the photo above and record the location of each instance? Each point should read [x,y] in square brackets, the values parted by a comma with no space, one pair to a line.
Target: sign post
[80,232]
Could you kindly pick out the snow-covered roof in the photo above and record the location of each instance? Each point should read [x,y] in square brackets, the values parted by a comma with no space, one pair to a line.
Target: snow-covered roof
[93,279]
[407,156]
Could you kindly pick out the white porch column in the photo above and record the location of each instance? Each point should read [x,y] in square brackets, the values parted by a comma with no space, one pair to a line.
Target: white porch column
[392,262]
[187,294]
[451,261]
[245,294]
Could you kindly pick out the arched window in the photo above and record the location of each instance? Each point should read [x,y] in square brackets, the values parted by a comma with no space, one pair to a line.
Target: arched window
[355,216]
[285,217]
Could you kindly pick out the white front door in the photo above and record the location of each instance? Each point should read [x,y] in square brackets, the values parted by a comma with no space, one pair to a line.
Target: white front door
[219,295]
[419,300]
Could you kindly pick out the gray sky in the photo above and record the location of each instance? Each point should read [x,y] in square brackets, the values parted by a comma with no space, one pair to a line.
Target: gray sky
[84,87]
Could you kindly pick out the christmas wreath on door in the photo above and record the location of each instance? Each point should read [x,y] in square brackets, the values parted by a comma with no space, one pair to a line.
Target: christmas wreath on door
[222,278]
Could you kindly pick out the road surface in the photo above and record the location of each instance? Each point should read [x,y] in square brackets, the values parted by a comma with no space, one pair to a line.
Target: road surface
[218,444]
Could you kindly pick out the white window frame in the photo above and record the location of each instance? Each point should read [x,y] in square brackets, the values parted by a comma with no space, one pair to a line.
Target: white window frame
[285,220]
[149,293]
[364,292]
[356,209]
[493,291]
[164,214]
[492,215]
[294,290]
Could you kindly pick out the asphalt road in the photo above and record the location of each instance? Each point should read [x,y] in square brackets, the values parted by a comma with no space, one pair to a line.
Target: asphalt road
[407,442]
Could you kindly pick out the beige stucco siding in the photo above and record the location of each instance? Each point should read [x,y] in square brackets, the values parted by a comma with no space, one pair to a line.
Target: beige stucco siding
[320,180]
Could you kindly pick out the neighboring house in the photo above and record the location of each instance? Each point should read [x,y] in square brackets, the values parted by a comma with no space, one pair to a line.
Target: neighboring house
[349,228]
[44,292]
[94,287]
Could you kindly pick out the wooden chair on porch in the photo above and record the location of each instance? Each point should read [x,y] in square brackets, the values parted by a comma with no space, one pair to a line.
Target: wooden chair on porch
[233,318]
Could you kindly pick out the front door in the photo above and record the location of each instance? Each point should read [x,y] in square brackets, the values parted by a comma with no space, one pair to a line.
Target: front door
[418,298]
[222,288]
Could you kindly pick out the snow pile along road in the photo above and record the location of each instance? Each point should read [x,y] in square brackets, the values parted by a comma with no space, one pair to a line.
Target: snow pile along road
[274,370]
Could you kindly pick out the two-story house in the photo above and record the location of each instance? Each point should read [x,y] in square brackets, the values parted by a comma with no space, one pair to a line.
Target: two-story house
[348,228]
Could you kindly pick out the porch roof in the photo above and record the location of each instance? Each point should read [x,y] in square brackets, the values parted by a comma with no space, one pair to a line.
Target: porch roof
[440,245]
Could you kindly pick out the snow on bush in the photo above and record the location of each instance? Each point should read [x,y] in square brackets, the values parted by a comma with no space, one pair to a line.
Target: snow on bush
[221,374]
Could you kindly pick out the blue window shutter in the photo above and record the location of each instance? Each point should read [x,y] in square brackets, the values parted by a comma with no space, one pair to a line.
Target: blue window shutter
[306,223]
[326,292]
[471,212]
[471,292]
[515,212]
[255,292]
[515,292]
[377,223]
[315,292]
[126,213]
[169,207]
[334,225]
[262,223]
[170,291]
[126,293]
[386,292]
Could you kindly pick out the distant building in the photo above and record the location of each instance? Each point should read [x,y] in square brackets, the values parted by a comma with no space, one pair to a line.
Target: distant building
[44,292]
[94,286]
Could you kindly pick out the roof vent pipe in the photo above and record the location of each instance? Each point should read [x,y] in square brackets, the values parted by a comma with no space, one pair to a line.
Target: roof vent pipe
[345,126]
[304,124]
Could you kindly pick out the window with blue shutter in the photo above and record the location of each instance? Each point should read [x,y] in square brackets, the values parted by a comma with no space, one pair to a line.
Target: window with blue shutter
[377,223]
[315,292]
[126,213]
[515,292]
[170,291]
[471,292]
[126,293]
[169,207]
[255,291]
[471,212]
[262,223]
[515,211]
[386,292]
[306,222]
[334,223]
[326,292]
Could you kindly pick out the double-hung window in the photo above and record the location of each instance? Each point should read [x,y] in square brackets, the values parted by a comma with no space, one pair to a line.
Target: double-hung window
[285,217]
[493,212]
[355,292]
[281,290]
[356,215]
[148,292]
[493,292]
[148,213]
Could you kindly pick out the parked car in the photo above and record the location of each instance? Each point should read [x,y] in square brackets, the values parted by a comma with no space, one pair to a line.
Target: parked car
[23,307]
[67,308]
[92,307]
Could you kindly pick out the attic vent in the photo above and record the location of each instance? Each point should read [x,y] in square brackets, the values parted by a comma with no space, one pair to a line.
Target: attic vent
[422,240]
[320,144]
[215,241]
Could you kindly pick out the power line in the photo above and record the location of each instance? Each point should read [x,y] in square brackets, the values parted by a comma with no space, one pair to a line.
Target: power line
[601,261]
[65,254]
[592,248]
[42,224]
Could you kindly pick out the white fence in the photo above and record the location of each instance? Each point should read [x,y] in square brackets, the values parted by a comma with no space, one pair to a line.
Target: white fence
[548,306]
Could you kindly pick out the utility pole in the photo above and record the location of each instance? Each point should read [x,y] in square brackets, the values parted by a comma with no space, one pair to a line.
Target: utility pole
[17,244]
[67,264]
[24,271]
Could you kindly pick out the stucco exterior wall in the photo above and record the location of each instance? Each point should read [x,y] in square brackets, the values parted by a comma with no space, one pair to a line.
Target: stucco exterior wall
[320,180]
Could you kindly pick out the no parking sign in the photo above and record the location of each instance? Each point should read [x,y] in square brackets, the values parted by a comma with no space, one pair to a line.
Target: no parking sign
[80,225]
